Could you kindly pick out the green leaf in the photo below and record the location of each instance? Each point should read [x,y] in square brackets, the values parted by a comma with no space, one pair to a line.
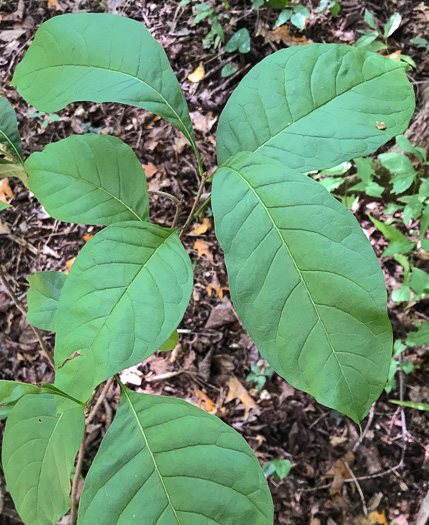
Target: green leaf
[300,14]
[419,281]
[399,243]
[178,465]
[366,40]
[410,404]
[13,169]
[316,106]
[228,70]
[3,206]
[256,4]
[399,295]
[335,9]
[171,342]
[283,17]
[400,164]
[42,298]
[11,391]
[420,337]
[101,58]
[89,179]
[41,439]
[405,145]
[370,20]
[124,296]
[240,41]
[331,183]
[9,134]
[364,169]
[412,209]
[311,296]
[392,24]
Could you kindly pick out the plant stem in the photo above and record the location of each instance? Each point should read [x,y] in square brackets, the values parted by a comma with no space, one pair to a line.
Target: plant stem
[204,178]
[175,200]
[200,209]
[44,350]
[81,453]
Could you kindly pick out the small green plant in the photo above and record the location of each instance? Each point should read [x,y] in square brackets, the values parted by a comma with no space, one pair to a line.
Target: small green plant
[376,40]
[259,375]
[334,7]
[47,118]
[406,366]
[202,11]
[303,277]
[278,468]
[297,14]
[421,43]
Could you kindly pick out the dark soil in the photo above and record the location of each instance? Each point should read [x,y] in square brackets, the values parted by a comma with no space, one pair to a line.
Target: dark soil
[322,445]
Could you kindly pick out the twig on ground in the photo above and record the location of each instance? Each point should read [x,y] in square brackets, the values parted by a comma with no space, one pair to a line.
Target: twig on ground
[358,487]
[367,427]
[81,453]
[44,350]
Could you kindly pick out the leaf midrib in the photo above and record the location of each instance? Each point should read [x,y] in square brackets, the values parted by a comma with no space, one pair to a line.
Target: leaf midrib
[152,457]
[300,276]
[184,130]
[336,97]
[93,185]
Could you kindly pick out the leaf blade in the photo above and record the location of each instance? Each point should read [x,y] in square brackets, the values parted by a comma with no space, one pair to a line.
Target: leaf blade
[56,424]
[9,133]
[93,56]
[89,179]
[183,466]
[299,285]
[42,298]
[124,296]
[300,95]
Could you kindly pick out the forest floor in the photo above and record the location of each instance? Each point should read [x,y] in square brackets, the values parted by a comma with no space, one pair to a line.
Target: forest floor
[209,366]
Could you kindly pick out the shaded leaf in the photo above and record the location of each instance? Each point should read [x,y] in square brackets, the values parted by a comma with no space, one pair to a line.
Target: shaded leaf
[89,179]
[289,106]
[124,296]
[42,298]
[419,338]
[240,41]
[42,436]
[178,465]
[9,134]
[312,297]
[399,243]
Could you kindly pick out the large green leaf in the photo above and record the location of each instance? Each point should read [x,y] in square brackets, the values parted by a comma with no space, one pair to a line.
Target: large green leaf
[41,439]
[305,282]
[124,296]
[178,465]
[315,106]
[101,58]
[42,298]
[11,391]
[9,134]
[89,179]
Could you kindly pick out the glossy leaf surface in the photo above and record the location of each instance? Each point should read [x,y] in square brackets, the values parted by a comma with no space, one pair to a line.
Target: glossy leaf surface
[11,391]
[9,134]
[177,465]
[315,106]
[101,58]
[42,298]
[305,282]
[89,179]
[124,296]
[42,436]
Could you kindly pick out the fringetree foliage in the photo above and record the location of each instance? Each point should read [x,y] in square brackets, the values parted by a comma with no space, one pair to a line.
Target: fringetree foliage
[303,277]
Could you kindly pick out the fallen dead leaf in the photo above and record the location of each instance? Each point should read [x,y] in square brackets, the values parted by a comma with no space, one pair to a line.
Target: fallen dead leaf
[87,236]
[5,191]
[237,391]
[197,75]
[4,229]
[281,34]
[395,56]
[205,402]
[56,4]
[203,122]
[218,289]
[339,472]
[69,264]
[203,249]
[375,518]
[202,228]
[149,169]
